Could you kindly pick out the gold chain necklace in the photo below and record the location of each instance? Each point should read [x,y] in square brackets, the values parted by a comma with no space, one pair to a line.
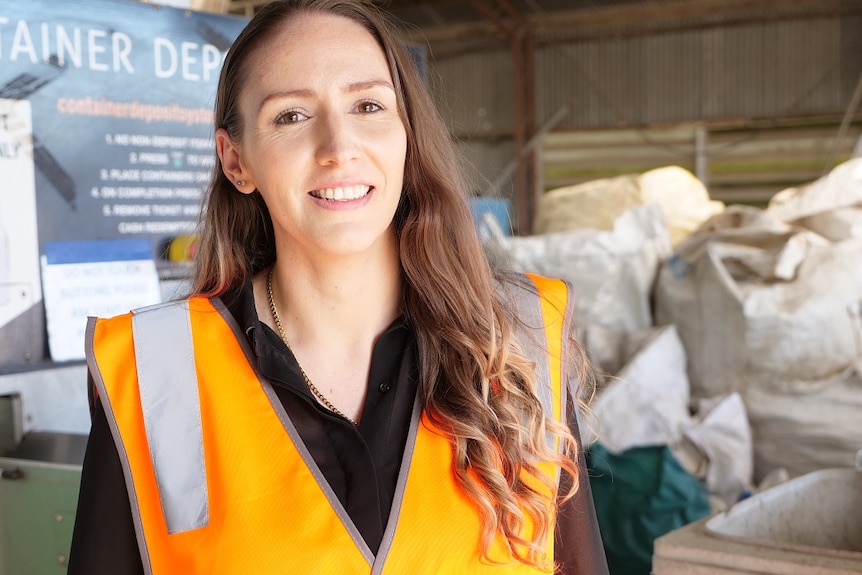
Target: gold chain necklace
[320,397]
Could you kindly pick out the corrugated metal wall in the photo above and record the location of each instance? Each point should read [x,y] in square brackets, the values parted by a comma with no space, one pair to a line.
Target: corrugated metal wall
[766,70]
[475,92]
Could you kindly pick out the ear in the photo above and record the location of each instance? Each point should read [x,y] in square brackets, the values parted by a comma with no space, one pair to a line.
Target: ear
[231,162]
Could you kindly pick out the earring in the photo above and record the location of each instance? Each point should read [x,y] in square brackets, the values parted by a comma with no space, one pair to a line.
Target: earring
[240,183]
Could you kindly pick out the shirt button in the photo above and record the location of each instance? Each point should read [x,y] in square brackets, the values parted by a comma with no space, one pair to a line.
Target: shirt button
[384,387]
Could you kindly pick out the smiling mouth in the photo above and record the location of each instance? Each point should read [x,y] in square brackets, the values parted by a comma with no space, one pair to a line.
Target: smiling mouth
[344,194]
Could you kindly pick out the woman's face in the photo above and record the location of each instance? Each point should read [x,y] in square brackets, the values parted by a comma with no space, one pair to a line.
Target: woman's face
[323,141]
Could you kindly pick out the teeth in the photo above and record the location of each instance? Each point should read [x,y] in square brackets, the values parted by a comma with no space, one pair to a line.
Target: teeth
[342,194]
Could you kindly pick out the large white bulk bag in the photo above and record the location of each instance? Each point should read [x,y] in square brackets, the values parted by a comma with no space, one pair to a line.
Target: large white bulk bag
[612,271]
[682,198]
[763,307]
[803,432]
[840,188]
[647,403]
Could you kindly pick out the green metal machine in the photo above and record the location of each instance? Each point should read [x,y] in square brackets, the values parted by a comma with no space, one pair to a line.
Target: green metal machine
[40,467]
[39,481]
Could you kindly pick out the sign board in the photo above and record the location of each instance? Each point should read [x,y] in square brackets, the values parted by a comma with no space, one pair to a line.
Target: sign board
[100,278]
[20,316]
[115,99]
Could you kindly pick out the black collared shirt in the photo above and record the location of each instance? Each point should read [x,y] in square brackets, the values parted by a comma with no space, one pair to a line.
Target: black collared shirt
[361,463]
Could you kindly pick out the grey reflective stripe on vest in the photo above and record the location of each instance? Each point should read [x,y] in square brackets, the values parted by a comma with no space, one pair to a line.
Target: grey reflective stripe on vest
[167,378]
[530,327]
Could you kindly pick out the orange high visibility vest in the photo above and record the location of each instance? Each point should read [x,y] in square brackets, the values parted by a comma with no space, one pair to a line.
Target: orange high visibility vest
[220,482]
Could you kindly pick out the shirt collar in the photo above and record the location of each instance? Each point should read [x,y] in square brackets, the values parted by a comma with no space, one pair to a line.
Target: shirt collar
[273,357]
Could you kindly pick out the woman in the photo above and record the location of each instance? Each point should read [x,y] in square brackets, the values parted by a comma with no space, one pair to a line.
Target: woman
[348,390]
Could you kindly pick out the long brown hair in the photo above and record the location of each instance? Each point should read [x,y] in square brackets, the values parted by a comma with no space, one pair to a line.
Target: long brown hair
[474,382]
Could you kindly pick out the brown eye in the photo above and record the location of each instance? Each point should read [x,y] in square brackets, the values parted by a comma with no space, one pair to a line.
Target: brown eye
[369,107]
[290,117]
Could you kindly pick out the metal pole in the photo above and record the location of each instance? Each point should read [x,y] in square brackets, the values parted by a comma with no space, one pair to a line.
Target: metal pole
[509,169]
[842,130]
[701,166]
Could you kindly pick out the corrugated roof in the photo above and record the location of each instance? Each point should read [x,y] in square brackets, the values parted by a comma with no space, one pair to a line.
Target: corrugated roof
[458,20]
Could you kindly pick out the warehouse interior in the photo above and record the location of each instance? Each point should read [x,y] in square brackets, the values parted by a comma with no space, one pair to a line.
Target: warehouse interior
[693,168]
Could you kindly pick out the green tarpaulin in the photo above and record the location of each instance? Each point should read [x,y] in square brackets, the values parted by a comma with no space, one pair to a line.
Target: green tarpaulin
[641,494]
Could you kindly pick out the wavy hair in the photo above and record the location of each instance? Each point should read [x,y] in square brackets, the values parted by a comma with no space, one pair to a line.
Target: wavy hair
[474,381]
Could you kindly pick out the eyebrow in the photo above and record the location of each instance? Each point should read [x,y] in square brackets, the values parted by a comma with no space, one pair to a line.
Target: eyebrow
[349,88]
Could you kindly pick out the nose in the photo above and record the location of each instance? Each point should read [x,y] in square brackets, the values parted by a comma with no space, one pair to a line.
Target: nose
[338,140]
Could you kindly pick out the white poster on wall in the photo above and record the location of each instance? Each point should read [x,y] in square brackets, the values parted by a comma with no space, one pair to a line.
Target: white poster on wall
[100,278]
[19,247]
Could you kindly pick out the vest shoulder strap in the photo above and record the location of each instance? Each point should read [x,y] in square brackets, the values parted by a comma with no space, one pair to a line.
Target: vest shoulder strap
[542,312]
[168,383]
